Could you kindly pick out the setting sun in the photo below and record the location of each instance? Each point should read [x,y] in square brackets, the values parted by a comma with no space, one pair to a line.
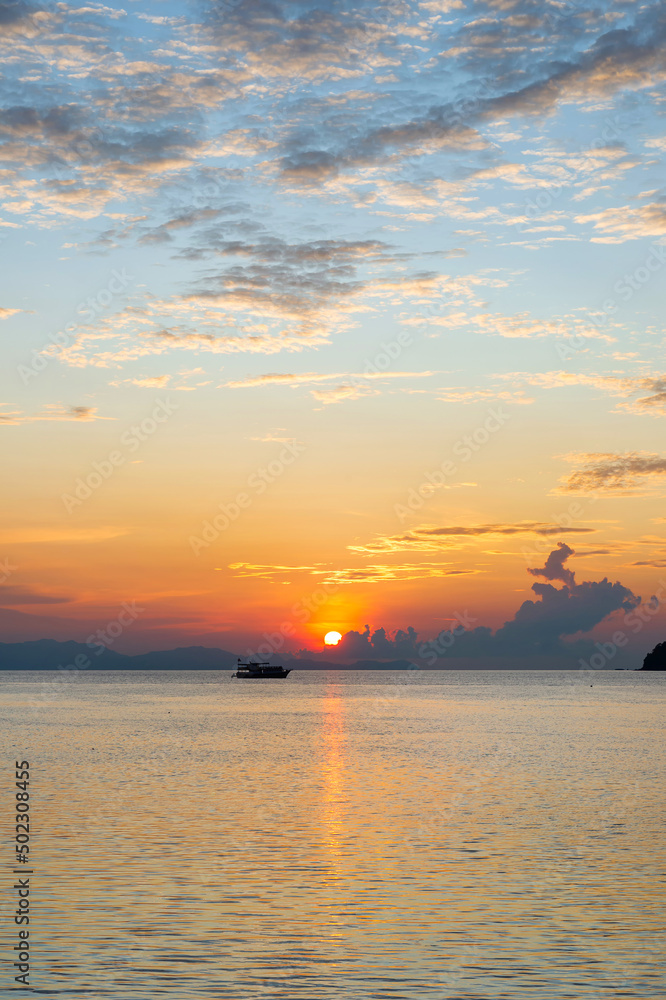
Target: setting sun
[332,638]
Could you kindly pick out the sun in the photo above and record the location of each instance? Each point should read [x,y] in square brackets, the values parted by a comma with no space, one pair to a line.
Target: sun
[332,638]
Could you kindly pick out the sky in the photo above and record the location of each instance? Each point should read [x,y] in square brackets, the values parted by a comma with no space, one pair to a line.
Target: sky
[334,317]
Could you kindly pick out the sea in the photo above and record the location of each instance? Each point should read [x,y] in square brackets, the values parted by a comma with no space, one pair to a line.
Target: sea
[469,835]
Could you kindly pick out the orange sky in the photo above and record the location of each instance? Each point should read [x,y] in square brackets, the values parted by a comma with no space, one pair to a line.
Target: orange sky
[395,345]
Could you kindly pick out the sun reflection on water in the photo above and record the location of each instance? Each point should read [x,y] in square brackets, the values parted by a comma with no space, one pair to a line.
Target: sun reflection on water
[333,783]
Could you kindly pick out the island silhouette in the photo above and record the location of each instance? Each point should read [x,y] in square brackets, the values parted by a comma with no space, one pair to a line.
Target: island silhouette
[656,659]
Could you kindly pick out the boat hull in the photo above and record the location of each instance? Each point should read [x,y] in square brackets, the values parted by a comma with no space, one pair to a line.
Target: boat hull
[262,676]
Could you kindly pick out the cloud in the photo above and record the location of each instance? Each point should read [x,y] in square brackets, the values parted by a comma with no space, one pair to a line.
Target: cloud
[152,382]
[10,416]
[343,393]
[555,568]
[82,167]
[460,394]
[108,114]
[15,14]
[58,536]
[617,225]
[184,220]
[627,58]
[383,573]
[353,385]
[431,539]
[188,380]
[274,378]
[379,644]
[370,573]
[278,296]
[367,645]
[308,288]
[650,389]
[54,411]
[313,43]
[162,327]
[98,115]
[267,572]
[620,475]
[545,627]
[539,626]
[273,435]
[520,326]
[655,400]
[10,596]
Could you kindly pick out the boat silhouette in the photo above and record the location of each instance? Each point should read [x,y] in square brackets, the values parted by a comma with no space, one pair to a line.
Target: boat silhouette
[255,671]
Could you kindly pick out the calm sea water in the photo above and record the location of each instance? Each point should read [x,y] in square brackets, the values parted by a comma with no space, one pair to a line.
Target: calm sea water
[392,835]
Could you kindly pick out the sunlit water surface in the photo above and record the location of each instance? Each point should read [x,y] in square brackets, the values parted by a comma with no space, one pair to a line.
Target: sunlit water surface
[369,835]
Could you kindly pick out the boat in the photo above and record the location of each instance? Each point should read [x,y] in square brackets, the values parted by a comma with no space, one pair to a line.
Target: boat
[253,671]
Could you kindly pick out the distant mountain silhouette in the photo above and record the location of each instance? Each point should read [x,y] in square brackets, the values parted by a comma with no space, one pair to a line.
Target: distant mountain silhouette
[656,660]
[184,658]
[49,654]
[358,665]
